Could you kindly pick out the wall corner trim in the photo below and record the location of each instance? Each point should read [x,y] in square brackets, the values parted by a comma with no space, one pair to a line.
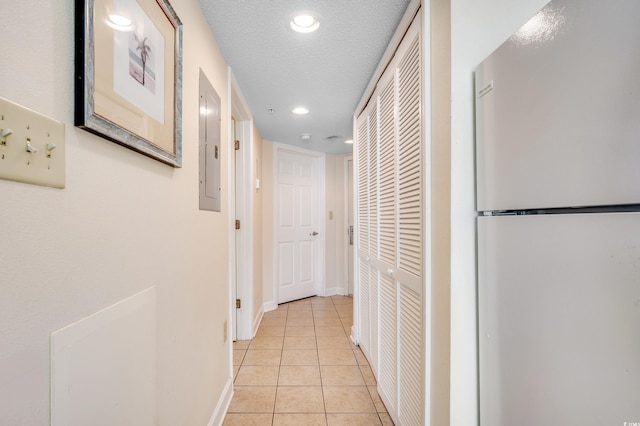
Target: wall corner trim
[223,405]
[269,306]
[257,321]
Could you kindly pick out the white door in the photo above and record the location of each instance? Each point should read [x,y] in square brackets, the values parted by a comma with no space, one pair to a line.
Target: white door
[299,259]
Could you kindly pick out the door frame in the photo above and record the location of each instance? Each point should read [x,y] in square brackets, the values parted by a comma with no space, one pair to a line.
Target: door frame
[320,263]
[345,235]
[240,242]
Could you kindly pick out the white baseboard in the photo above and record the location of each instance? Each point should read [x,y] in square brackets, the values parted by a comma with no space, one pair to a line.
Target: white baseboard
[256,322]
[223,405]
[333,291]
[269,306]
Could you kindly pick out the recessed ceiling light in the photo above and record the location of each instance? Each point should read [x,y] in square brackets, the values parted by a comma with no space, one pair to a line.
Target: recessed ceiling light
[349,141]
[300,110]
[304,22]
[305,136]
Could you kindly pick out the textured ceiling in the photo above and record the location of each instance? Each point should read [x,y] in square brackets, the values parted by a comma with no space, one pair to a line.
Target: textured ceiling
[326,71]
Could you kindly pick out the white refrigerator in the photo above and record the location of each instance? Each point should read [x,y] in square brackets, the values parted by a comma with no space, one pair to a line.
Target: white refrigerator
[558,200]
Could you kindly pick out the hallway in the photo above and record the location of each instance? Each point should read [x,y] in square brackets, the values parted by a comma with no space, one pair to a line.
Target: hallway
[302,369]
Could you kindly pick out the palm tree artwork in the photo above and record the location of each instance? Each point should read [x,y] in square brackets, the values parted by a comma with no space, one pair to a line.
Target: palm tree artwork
[145,52]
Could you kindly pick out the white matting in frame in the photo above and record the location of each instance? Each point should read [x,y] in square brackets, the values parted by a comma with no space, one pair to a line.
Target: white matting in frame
[139,62]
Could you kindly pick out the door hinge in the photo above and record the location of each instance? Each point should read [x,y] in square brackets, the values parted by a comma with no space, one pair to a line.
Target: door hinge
[237,224]
[238,304]
[236,145]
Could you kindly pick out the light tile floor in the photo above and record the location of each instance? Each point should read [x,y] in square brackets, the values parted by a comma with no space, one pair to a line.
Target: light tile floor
[302,369]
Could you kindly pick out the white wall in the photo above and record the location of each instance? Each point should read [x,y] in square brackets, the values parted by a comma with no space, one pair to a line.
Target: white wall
[124,223]
[477,28]
[258,223]
[268,235]
[336,250]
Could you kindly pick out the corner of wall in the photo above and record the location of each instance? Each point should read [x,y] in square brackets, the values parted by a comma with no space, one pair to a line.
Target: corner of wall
[256,321]
[217,418]
[270,306]
[267,182]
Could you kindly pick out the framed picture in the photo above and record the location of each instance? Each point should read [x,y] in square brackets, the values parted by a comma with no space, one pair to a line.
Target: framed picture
[129,75]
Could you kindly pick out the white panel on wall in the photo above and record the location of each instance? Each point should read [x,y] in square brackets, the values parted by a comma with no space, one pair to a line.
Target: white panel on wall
[210,148]
[103,367]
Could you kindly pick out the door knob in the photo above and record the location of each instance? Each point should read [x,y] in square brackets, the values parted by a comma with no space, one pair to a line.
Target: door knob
[313,234]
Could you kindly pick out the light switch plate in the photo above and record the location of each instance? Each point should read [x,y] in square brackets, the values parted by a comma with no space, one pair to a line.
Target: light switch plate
[32,146]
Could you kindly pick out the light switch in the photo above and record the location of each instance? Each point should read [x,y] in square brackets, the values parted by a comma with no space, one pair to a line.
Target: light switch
[32,146]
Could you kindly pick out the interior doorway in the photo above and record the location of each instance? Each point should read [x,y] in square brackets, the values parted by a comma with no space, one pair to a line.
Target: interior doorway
[240,211]
[299,219]
[234,191]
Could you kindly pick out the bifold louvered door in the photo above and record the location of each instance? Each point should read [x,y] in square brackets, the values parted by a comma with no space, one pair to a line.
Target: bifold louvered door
[363,278]
[389,135]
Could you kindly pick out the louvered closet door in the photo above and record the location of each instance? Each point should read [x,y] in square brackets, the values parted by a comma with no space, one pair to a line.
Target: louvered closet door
[362,230]
[388,338]
[410,231]
[374,249]
[390,189]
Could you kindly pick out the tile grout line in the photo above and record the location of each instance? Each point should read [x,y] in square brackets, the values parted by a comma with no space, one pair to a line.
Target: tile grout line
[324,401]
[275,396]
[318,308]
[273,415]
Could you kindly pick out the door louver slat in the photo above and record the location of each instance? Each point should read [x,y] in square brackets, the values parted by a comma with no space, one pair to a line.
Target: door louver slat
[409,162]
[410,352]
[363,186]
[387,182]
[373,182]
[388,374]
[365,286]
